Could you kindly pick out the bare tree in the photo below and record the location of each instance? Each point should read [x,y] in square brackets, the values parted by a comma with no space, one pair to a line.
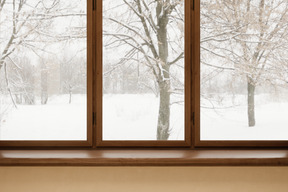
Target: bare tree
[21,80]
[26,20]
[248,38]
[149,28]
[73,76]
[27,26]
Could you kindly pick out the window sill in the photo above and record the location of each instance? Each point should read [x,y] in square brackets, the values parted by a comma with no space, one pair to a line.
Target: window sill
[143,157]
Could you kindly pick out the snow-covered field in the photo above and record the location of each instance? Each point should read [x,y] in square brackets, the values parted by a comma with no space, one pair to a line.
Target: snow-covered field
[57,120]
[231,123]
[134,117]
[125,117]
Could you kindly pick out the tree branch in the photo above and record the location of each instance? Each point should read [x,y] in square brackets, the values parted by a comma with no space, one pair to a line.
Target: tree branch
[181,56]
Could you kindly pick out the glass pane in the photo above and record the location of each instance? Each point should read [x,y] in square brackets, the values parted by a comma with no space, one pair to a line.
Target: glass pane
[244,90]
[43,70]
[143,70]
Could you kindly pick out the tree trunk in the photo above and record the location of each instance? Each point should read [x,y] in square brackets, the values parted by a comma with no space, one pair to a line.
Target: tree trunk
[164,112]
[251,105]
[8,86]
[70,94]
[70,97]
[44,83]
[163,128]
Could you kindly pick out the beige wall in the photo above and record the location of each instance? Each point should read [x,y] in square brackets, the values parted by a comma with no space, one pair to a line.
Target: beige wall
[143,179]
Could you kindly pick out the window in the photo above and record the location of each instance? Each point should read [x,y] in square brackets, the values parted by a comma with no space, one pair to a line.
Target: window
[143,73]
[44,86]
[145,70]
[243,76]
[151,69]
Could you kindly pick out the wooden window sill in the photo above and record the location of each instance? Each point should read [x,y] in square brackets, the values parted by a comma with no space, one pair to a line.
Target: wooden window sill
[143,157]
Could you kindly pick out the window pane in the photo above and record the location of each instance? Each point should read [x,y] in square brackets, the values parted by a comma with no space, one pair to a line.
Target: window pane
[43,70]
[143,70]
[244,90]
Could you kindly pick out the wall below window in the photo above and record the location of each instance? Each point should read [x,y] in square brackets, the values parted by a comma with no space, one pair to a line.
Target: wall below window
[143,179]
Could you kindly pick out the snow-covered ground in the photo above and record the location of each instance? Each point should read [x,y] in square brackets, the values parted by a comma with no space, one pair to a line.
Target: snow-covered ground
[134,117]
[231,123]
[125,117]
[57,120]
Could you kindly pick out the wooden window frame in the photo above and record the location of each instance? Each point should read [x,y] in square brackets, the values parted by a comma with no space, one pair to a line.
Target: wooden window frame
[94,95]
[69,143]
[98,89]
[196,101]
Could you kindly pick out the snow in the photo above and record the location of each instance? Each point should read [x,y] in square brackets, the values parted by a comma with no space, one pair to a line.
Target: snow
[134,117]
[231,123]
[125,117]
[57,120]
